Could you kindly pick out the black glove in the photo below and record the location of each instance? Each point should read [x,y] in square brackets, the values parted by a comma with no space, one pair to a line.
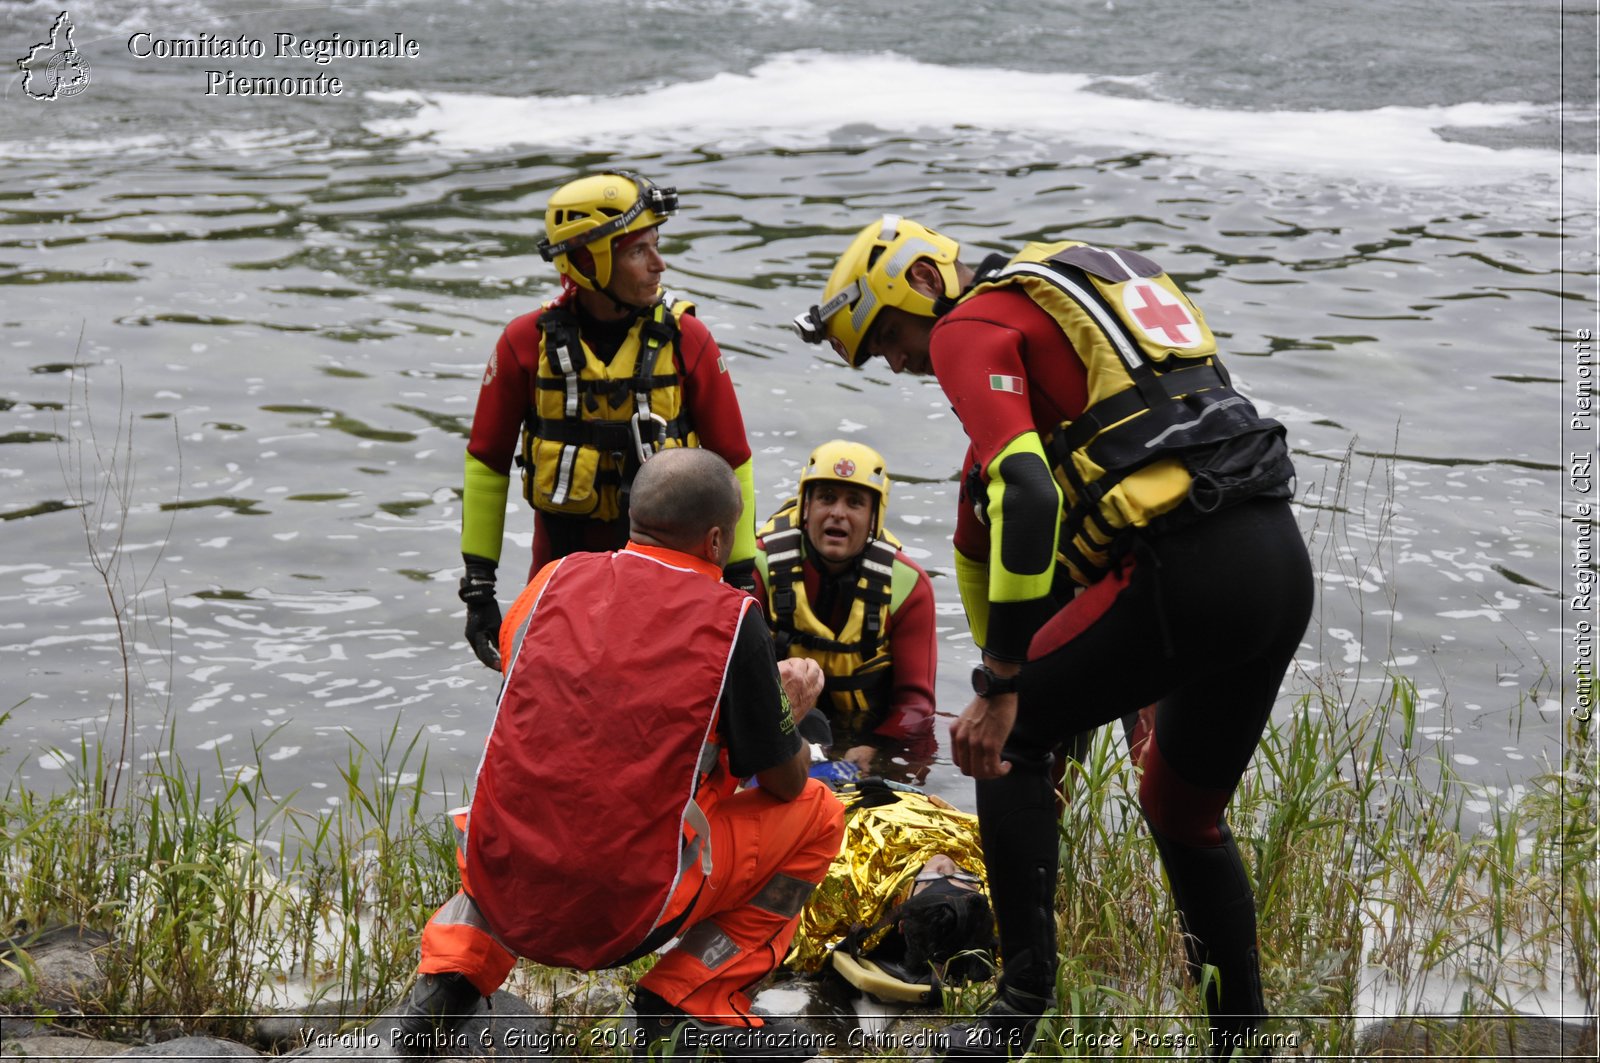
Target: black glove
[741,575]
[483,612]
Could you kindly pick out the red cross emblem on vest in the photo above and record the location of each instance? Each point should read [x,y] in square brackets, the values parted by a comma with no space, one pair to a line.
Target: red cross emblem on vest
[844,468]
[1160,314]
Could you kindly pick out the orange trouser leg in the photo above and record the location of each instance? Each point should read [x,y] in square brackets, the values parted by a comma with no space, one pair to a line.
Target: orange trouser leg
[768,855]
[458,939]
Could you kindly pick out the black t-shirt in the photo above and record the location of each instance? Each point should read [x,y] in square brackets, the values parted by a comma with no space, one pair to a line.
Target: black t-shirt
[755,723]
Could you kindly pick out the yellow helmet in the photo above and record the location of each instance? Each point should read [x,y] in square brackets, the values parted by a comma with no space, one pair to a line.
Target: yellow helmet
[840,461]
[592,212]
[870,275]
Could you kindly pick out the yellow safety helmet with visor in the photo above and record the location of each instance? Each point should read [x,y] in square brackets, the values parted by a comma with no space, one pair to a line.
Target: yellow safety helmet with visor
[592,212]
[872,274]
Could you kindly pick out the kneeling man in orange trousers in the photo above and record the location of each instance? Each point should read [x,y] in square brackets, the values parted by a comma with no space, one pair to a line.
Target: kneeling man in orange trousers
[607,819]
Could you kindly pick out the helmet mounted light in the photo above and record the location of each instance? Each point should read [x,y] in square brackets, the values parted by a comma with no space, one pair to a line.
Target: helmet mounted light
[580,215]
[812,324]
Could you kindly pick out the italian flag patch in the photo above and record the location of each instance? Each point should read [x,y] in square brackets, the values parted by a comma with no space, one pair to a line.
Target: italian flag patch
[1012,384]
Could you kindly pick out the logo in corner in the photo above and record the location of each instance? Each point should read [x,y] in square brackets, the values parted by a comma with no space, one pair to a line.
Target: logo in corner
[55,68]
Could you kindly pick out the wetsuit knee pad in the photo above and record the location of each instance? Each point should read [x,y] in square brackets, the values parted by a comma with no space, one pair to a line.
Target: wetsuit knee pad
[1177,809]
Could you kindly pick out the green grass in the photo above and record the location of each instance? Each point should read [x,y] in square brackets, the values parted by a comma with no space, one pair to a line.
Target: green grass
[1365,864]
[221,898]
[224,899]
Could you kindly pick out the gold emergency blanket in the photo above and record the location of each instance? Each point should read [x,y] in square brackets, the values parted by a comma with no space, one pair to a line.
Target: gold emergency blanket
[883,849]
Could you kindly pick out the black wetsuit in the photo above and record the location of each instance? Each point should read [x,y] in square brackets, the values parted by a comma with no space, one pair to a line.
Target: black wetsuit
[1202,622]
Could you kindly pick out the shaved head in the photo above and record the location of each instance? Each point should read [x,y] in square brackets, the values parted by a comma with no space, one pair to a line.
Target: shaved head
[679,496]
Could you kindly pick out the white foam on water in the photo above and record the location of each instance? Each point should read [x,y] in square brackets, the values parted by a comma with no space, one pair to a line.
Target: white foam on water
[803,99]
[212,142]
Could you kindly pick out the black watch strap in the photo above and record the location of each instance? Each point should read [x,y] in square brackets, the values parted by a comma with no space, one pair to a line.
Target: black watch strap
[987,683]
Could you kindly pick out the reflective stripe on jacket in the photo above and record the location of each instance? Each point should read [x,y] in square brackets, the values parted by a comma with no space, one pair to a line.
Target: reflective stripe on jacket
[584,816]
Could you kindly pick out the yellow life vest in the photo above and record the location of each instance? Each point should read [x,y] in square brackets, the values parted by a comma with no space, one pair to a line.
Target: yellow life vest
[594,423]
[856,660]
[1165,436]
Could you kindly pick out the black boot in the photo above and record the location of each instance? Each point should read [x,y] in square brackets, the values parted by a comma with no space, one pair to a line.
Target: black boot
[1017,819]
[1005,1030]
[667,1033]
[438,1005]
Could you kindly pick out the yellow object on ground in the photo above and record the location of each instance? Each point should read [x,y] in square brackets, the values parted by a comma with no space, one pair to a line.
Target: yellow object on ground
[884,847]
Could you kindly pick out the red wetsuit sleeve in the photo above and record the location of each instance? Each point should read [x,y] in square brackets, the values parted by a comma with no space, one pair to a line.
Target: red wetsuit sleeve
[971,537]
[913,643]
[1008,371]
[506,395]
[708,394]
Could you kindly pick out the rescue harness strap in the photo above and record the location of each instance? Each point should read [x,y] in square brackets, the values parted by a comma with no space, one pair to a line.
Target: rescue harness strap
[565,352]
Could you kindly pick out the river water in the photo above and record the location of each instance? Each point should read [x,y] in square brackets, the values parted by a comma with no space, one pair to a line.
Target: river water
[241,335]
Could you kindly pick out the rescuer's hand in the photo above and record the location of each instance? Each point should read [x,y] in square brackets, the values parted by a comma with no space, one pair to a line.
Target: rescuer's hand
[802,682]
[977,738]
[483,612]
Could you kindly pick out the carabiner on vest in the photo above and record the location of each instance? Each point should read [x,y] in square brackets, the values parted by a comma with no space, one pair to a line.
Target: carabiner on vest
[658,436]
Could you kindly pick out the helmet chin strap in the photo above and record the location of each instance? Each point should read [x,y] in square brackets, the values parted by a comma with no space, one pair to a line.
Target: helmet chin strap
[622,307]
[991,264]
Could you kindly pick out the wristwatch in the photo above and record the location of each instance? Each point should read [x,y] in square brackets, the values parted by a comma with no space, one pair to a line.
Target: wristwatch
[988,683]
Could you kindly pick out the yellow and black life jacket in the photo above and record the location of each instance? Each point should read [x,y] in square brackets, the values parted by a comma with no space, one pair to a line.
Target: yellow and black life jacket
[856,660]
[1165,436]
[594,423]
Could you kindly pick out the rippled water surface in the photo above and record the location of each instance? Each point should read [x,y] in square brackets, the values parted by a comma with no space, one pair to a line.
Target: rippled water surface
[241,337]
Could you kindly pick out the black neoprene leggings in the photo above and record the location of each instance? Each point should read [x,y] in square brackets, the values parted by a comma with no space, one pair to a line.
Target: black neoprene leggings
[1203,624]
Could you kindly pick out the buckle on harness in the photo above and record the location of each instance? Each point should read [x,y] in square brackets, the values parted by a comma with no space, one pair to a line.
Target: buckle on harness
[613,437]
[658,435]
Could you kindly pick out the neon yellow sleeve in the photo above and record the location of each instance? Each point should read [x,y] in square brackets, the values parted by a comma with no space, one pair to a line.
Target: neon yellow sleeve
[744,536]
[972,580]
[483,509]
[1024,508]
